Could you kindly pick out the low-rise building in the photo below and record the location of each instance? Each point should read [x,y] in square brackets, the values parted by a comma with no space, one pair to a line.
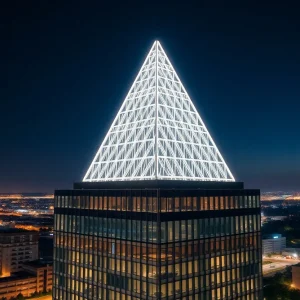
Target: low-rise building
[273,243]
[36,277]
[43,273]
[19,282]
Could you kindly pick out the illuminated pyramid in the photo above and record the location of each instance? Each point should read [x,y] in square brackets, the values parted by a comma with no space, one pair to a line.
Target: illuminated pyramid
[158,133]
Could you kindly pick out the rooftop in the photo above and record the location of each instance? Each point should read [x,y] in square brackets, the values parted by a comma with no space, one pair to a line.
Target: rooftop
[17,276]
[37,263]
[159,184]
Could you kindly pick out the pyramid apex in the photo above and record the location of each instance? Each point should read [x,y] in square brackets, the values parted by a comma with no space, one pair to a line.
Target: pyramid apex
[158,133]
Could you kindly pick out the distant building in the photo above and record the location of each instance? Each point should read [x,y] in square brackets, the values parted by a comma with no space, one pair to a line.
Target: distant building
[35,277]
[273,243]
[16,247]
[266,219]
[277,218]
[10,224]
[296,276]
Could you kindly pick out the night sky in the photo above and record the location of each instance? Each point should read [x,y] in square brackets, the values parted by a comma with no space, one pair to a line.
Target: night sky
[66,69]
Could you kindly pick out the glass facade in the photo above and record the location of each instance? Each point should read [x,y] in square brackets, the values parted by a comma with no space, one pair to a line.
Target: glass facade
[157,244]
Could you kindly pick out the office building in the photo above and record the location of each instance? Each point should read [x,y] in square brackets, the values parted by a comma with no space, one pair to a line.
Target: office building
[16,247]
[273,243]
[158,215]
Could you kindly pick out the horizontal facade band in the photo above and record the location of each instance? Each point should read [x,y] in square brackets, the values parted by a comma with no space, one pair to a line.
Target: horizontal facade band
[158,216]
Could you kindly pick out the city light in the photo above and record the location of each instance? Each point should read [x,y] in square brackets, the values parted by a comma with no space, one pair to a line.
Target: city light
[158,133]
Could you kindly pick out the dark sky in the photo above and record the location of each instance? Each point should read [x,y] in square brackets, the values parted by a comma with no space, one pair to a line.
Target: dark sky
[66,68]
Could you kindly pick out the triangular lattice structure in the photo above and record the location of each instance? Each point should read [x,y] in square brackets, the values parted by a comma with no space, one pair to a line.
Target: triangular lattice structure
[158,133]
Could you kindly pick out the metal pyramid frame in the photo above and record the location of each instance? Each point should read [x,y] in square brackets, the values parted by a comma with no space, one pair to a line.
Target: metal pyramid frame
[158,133]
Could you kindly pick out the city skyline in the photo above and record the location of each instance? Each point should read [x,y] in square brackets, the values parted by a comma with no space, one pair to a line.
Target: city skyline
[67,78]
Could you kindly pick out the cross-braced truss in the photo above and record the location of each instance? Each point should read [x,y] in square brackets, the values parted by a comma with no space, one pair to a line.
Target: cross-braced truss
[158,133]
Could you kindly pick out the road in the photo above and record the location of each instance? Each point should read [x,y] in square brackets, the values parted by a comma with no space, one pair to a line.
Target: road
[277,265]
